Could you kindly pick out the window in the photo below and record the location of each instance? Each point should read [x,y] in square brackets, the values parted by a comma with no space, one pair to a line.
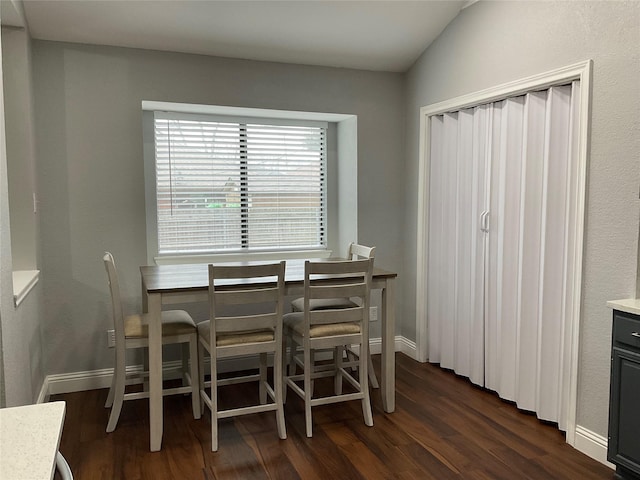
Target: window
[226,185]
[235,183]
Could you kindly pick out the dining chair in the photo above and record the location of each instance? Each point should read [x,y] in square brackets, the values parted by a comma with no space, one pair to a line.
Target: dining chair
[331,328]
[131,331]
[62,468]
[245,318]
[354,252]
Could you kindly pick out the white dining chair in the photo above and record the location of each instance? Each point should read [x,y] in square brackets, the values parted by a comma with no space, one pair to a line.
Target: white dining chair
[354,252]
[331,328]
[232,332]
[62,467]
[131,331]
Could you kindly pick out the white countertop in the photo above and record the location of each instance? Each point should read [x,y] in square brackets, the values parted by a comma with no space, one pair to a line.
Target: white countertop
[629,305]
[29,440]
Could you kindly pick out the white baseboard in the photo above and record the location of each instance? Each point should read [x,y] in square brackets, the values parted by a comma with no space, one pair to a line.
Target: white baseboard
[586,441]
[406,346]
[592,445]
[96,379]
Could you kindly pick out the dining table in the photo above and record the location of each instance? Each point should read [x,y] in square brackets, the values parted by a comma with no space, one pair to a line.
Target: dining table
[187,283]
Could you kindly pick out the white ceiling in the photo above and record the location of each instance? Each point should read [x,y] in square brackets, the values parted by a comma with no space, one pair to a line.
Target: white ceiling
[370,35]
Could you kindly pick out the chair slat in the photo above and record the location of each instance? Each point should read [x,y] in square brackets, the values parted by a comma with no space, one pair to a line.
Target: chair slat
[337,267]
[249,296]
[244,323]
[337,291]
[341,315]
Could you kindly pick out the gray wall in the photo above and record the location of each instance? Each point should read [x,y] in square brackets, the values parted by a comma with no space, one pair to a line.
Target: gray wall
[22,362]
[90,165]
[16,49]
[491,43]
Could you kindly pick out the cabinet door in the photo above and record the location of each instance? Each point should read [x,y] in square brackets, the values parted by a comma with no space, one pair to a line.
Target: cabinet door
[624,416]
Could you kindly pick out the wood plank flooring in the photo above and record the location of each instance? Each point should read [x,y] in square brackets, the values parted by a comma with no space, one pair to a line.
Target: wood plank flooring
[443,428]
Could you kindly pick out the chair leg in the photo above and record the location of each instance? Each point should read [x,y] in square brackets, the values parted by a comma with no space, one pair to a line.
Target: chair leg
[118,395]
[201,375]
[364,386]
[337,361]
[112,390]
[312,369]
[308,368]
[195,376]
[186,350]
[351,357]
[278,390]
[284,368]
[292,358]
[263,378]
[373,380]
[145,368]
[214,404]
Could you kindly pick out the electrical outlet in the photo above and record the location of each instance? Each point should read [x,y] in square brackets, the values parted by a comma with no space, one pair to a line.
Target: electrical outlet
[373,314]
[111,338]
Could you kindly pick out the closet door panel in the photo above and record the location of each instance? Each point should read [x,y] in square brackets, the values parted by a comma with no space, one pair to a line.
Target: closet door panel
[553,261]
[479,208]
[448,252]
[508,173]
[503,246]
[435,307]
[456,244]
[531,250]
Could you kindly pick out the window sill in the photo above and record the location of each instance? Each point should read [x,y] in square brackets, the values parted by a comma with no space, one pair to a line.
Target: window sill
[240,257]
[23,283]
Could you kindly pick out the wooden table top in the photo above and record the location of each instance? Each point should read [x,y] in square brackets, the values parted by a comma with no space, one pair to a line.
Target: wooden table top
[195,276]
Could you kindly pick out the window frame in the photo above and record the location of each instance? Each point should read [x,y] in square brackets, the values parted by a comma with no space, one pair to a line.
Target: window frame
[341,179]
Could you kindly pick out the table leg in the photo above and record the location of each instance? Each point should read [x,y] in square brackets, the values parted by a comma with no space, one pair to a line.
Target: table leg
[388,361]
[155,372]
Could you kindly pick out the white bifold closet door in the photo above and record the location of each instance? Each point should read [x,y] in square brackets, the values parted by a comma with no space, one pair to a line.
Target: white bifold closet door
[501,180]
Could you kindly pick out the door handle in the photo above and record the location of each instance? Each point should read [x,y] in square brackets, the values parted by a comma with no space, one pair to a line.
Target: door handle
[484,221]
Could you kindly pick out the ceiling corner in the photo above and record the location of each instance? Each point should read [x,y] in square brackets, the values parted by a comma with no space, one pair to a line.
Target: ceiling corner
[12,13]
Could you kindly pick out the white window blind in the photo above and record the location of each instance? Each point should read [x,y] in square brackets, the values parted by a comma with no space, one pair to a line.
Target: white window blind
[238,185]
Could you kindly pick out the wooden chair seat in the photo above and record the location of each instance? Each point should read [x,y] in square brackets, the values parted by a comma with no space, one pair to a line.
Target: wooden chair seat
[295,321]
[174,322]
[236,338]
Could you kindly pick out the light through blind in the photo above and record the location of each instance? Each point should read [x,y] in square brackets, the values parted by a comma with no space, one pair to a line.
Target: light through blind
[227,186]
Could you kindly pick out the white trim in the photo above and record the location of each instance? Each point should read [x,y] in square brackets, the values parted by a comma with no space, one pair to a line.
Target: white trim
[341,183]
[580,71]
[23,282]
[243,111]
[401,344]
[587,442]
[239,257]
[43,395]
[592,445]
[96,379]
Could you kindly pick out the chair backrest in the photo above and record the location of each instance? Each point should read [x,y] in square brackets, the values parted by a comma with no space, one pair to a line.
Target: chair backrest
[259,288]
[338,279]
[116,302]
[357,252]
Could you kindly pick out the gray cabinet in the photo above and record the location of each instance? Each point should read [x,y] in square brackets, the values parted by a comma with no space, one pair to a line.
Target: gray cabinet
[624,401]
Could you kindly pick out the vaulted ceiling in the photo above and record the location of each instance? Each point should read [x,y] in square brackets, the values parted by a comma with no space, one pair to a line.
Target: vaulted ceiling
[370,35]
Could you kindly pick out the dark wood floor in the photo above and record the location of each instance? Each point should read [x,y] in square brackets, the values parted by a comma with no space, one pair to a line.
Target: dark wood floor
[443,428]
